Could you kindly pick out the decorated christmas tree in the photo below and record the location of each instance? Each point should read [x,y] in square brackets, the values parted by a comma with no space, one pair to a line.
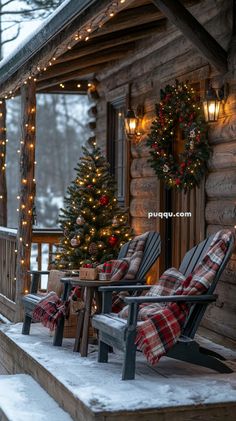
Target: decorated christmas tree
[94,227]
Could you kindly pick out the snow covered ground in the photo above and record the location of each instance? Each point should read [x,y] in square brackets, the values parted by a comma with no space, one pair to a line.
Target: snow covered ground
[99,386]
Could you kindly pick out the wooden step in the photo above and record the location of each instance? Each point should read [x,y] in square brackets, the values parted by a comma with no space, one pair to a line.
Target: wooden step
[22,399]
[90,391]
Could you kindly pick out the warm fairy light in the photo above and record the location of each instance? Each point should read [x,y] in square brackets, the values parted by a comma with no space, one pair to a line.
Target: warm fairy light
[78,86]
[26,291]
[83,35]
[24,181]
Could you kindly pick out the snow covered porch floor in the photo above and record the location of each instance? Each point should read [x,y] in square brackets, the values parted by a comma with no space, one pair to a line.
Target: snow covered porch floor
[92,391]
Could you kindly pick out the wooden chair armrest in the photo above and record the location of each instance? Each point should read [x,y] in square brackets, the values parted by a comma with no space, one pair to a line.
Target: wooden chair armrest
[38,272]
[171,298]
[115,288]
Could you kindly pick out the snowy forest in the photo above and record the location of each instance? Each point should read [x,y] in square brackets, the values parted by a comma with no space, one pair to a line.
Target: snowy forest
[62,128]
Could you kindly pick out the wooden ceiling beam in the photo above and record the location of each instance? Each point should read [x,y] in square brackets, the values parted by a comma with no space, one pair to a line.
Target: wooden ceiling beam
[78,87]
[91,60]
[115,39]
[65,77]
[129,18]
[195,32]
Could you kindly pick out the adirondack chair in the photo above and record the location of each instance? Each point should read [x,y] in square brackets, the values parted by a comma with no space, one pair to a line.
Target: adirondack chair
[120,333]
[152,251]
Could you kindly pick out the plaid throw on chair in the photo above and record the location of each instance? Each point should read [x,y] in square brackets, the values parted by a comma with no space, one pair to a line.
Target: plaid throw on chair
[126,268]
[159,332]
[129,265]
[167,284]
[49,310]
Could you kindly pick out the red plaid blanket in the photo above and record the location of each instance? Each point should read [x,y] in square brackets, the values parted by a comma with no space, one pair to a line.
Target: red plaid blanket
[49,310]
[129,265]
[167,284]
[159,332]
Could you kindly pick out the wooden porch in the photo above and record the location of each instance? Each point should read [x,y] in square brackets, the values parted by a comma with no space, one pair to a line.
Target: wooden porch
[90,391]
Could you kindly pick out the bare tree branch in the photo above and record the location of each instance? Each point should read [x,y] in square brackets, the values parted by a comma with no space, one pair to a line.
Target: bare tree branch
[24,12]
[10,26]
[13,38]
[7,2]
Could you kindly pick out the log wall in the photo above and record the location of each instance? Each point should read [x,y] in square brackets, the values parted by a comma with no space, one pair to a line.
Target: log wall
[155,62]
[221,212]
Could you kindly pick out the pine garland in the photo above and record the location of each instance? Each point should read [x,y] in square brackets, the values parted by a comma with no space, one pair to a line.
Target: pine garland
[179,108]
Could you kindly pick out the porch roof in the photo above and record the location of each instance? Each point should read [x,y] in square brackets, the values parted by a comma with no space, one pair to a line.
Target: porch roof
[57,54]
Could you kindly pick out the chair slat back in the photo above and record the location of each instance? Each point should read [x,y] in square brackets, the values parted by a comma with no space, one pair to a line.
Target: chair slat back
[152,251]
[192,258]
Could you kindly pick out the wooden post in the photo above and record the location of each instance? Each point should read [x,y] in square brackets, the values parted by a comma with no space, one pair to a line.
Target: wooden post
[27,189]
[3,183]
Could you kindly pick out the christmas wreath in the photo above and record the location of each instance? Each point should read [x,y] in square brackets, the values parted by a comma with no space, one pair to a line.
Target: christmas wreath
[180,108]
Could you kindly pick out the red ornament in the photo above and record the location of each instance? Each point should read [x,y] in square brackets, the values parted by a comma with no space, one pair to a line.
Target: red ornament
[112,240]
[104,200]
[90,186]
[182,165]
[177,181]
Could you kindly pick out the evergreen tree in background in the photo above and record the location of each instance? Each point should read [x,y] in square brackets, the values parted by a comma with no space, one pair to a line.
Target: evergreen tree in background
[94,226]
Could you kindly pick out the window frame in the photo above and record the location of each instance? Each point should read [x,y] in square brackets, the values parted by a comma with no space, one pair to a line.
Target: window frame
[112,155]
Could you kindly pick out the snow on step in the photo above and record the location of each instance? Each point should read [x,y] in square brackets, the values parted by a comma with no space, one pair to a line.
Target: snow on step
[22,399]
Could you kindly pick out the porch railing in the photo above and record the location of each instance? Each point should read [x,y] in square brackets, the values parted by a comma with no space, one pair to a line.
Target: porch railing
[43,241]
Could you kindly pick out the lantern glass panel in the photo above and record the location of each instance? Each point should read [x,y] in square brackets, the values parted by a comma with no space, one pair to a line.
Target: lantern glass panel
[211,109]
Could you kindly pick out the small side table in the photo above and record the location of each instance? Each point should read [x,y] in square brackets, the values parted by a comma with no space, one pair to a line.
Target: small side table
[90,291]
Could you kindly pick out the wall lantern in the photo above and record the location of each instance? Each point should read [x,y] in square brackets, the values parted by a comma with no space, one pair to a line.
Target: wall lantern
[131,123]
[133,120]
[211,103]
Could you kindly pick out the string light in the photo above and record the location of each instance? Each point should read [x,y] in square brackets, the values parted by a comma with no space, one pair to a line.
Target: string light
[97,22]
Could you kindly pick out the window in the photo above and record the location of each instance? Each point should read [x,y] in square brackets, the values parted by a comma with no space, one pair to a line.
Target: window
[117,149]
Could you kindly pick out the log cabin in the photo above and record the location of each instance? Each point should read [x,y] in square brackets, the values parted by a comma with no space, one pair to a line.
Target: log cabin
[121,53]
